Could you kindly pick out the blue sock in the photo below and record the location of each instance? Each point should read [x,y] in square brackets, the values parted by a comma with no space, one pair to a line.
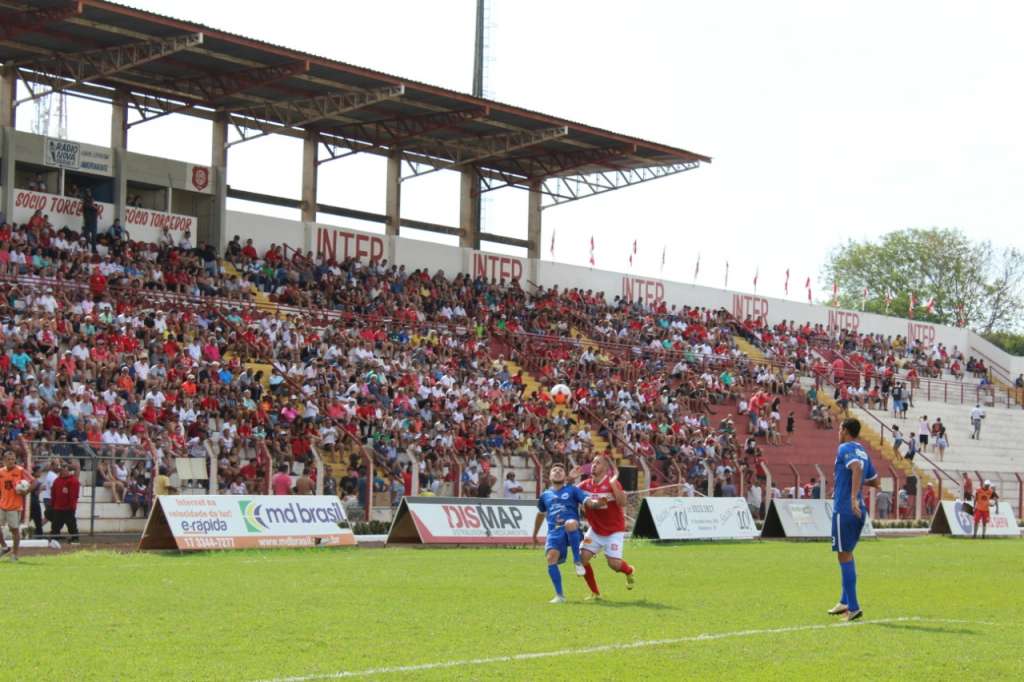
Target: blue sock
[556,578]
[574,542]
[849,570]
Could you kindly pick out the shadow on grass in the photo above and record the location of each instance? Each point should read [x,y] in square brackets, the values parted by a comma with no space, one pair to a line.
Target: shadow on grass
[933,629]
[640,604]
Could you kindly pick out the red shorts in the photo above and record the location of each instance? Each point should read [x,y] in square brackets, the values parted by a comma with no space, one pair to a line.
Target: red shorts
[981,516]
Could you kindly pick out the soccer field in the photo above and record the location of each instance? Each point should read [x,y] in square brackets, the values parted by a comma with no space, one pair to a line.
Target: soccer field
[935,608]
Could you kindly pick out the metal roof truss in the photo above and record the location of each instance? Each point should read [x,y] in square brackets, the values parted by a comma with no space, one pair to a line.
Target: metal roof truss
[63,70]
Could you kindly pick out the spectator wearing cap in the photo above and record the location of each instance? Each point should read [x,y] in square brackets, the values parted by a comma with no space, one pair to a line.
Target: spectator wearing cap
[929,500]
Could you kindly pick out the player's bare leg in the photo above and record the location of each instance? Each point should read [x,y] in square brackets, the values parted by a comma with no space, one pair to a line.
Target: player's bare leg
[620,566]
[588,575]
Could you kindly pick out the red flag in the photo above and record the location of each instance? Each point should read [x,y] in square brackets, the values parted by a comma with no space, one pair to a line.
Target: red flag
[756,274]
[787,282]
[632,254]
[930,305]
[807,284]
[552,243]
[910,307]
[809,294]
[591,250]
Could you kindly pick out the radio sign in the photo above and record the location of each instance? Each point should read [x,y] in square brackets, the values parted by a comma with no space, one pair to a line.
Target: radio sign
[63,153]
[77,156]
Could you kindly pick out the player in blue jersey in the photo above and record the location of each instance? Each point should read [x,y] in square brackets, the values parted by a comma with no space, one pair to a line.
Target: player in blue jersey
[853,470]
[560,505]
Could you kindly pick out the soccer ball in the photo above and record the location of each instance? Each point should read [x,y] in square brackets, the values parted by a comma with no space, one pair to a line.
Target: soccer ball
[560,393]
[22,487]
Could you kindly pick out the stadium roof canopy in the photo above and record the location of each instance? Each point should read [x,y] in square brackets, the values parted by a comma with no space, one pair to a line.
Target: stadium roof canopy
[160,65]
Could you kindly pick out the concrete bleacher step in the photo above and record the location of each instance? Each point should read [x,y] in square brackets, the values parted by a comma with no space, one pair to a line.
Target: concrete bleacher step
[532,385]
[102,525]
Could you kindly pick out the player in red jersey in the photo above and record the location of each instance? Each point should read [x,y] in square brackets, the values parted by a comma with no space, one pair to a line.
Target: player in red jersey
[607,523]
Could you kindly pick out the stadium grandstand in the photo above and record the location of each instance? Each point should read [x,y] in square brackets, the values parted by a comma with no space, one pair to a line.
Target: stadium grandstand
[160,342]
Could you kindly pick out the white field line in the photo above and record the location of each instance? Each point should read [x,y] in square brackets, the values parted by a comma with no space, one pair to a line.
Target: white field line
[612,647]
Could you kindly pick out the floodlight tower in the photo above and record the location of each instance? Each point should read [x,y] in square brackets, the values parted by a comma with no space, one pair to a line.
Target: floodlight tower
[479,47]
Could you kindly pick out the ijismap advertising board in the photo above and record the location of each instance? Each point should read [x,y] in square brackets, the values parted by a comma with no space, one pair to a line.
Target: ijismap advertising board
[465,520]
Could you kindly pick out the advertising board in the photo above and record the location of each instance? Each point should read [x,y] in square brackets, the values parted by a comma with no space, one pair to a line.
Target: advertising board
[198,522]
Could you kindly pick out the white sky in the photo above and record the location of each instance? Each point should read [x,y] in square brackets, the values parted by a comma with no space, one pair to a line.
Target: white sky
[826,120]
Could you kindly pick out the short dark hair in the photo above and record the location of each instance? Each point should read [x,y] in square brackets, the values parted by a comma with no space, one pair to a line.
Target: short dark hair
[852,426]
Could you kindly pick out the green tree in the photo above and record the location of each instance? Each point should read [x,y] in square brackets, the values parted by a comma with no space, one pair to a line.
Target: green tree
[971,283]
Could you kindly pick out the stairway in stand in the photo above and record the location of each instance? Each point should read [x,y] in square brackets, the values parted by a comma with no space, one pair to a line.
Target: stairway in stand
[260,298]
[750,350]
[600,443]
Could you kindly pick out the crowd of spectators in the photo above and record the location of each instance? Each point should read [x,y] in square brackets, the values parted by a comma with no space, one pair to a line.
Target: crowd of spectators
[408,366]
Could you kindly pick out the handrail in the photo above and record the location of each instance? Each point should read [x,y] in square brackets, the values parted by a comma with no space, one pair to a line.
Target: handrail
[1020,494]
[212,484]
[320,470]
[882,430]
[368,510]
[769,485]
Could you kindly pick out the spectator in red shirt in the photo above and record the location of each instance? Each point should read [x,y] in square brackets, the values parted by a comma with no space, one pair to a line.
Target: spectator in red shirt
[281,484]
[64,497]
[97,282]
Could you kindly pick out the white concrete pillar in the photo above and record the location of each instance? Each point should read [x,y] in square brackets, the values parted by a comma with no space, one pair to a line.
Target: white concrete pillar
[469,200]
[7,173]
[8,95]
[533,221]
[393,195]
[119,145]
[309,179]
[216,231]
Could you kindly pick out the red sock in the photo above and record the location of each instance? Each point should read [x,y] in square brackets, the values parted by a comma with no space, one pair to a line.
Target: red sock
[625,568]
[591,581]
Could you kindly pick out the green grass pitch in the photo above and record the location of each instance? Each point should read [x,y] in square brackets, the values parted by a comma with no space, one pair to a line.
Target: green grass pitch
[935,608]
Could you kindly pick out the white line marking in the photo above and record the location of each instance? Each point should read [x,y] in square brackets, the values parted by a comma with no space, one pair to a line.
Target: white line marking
[708,637]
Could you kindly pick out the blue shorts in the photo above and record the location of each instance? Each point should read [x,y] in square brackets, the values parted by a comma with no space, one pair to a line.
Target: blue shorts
[846,530]
[557,539]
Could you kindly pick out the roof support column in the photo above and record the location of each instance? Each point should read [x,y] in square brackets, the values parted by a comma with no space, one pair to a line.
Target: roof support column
[8,95]
[309,175]
[216,231]
[469,216]
[393,195]
[533,221]
[7,174]
[119,144]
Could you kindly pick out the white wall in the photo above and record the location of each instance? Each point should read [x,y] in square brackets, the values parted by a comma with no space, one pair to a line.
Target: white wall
[345,242]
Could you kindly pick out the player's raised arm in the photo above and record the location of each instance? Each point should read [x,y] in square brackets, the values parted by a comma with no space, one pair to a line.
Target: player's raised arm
[617,491]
